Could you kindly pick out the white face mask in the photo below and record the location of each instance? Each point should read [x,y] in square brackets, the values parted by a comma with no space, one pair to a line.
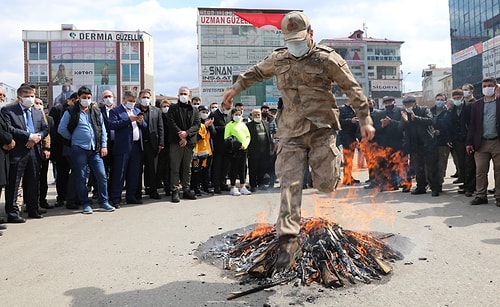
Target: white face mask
[85,102]
[226,111]
[466,94]
[130,105]
[489,91]
[28,101]
[145,102]
[409,110]
[108,101]
[297,48]
[204,115]
[237,118]
[214,109]
[257,119]
[164,109]
[457,102]
[183,98]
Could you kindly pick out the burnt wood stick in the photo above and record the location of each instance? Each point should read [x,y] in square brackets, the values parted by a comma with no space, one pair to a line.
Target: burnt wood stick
[260,288]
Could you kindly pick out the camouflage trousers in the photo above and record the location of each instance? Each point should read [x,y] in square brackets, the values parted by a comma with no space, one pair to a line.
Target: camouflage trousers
[316,148]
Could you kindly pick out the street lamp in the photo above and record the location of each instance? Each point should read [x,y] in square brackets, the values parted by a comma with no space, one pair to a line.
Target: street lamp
[403,83]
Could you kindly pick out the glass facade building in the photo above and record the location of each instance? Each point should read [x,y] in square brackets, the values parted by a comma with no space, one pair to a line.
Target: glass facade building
[59,62]
[475,40]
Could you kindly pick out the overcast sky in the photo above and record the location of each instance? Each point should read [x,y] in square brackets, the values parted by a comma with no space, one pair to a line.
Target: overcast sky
[423,26]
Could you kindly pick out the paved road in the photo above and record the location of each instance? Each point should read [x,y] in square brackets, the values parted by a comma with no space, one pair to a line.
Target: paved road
[145,255]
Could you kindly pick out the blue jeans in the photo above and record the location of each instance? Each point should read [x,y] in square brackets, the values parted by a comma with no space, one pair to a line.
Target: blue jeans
[83,159]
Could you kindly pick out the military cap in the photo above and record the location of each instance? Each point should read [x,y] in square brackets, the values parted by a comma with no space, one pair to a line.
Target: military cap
[294,26]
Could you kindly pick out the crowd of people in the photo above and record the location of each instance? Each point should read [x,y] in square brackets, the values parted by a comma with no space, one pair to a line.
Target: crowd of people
[415,142]
[115,154]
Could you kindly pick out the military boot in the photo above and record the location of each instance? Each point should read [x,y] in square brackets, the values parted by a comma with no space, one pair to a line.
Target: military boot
[175,196]
[289,251]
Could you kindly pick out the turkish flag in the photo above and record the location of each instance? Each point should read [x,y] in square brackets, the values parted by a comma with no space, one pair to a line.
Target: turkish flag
[262,20]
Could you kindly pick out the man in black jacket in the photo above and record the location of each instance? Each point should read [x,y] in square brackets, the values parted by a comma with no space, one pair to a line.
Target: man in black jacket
[183,124]
[220,164]
[419,142]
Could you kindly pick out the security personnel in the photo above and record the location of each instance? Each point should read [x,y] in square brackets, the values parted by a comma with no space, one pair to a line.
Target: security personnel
[307,121]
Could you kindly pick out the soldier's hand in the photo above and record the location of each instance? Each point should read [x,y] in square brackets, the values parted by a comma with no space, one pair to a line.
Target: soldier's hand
[228,96]
[367,132]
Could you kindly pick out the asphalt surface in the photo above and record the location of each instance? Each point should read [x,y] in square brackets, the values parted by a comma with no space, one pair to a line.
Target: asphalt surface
[147,255]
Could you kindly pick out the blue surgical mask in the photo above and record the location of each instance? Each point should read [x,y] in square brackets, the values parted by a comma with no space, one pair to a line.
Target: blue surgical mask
[297,48]
[457,102]
[440,103]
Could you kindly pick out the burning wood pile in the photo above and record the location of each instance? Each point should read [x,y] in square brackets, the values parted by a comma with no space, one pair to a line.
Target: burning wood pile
[330,256]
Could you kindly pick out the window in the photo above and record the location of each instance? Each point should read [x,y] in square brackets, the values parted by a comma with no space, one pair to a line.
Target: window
[130,72]
[38,73]
[130,51]
[37,51]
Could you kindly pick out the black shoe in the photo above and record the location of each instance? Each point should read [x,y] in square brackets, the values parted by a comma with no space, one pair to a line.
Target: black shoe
[225,188]
[3,227]
[468,194]
[435,193]
[42,210]
[497,202]
[197,192]
[461,191]
[59,203]
[46,205]
[187,194]
[116,205]
[253,189]
[155,195]
[71,206]
[175,196]
[134,201]
[418,191]
[35,215]
[491,191]
[15,219]
[479,201]
[458,181]
[217,191]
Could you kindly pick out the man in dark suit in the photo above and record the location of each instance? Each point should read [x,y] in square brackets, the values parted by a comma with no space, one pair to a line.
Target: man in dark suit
[152,135]
[348,136]
[220,164]
[483,140]
[259,150]
[108,104]
[7,142]
[126,121]
[28,129]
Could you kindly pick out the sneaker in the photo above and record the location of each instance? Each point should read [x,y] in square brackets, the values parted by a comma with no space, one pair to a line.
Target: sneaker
[107,208]
[87,210]
[234,191]
[245,191]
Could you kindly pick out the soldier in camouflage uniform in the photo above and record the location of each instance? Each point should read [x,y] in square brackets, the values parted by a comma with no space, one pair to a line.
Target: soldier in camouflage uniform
[307,121]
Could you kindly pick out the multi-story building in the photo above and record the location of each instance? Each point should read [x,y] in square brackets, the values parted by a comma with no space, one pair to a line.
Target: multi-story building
[376,64]
[229,42]
[435,80]
[475,41]
[59,62]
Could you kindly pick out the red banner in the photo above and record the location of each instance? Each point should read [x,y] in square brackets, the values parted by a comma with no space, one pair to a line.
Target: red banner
[262,20]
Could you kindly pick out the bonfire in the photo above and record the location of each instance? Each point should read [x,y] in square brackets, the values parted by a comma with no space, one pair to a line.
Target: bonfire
[330,256]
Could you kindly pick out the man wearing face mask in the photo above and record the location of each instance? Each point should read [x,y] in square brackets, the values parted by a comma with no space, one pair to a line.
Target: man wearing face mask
[307,121]
[108,103]
[152,135]
[183,124]
[442,133]
[420,144]
[28,129]
[126,120]
[482,140]
[389,174]
[7,142]
[163,170]
[83,125]
[220,165]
